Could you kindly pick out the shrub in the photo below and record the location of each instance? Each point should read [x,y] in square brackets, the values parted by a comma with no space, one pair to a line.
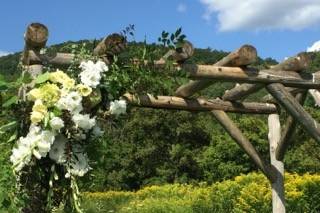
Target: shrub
[246,193]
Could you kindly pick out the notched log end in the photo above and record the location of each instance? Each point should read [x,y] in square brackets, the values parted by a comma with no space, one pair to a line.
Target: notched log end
[36,36]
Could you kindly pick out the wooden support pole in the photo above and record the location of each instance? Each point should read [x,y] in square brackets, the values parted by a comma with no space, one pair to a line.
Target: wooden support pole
[110,46]
[245,55]
[279,92]
[294,91]
[241,91]
[180,54]
[288,130]
[199,104]
[297,63]
[243,142]
[315,94]
[35,37]
[236,74]
[278,199]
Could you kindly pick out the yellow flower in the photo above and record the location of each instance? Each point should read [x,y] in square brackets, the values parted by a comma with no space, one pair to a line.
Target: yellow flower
[58,77]
[39,107]
[50,94]
[36,117]
[34,94]
[83,90]
[68,83]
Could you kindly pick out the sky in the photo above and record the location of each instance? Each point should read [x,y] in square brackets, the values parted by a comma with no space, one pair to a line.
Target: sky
[277,28]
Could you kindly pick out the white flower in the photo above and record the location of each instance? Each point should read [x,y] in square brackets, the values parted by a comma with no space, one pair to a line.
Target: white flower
[91,74]
[84,121]
[20,157]
[57,152]
[37,143]
[56,123]
[97,132]
[71,101]
[43,144]
[79,165]
[118,107]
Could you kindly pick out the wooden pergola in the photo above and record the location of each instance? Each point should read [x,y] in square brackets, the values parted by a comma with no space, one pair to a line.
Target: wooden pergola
[287,83]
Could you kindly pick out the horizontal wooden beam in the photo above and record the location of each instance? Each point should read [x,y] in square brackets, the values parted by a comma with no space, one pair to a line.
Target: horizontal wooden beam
[199,104]
[245,55]
[244,143]
[63,59]
[241,92]
[293,107]
[296,63]
[250,75]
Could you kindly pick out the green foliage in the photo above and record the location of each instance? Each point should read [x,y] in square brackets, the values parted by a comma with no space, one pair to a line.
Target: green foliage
[246,193]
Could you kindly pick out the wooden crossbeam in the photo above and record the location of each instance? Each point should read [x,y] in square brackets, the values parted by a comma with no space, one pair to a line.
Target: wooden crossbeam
[250,75]
[279,92]
[58,59]
[241,92]
[244,143]
[289,128]
[199,104]
[245,55]
[297,64]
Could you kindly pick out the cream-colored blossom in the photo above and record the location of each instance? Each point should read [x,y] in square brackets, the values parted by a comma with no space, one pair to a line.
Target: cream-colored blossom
[58,76]
[34,94]
[83,90]
[36,117]
[39,107]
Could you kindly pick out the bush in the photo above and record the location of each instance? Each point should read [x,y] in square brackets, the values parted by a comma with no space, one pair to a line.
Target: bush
[246,193]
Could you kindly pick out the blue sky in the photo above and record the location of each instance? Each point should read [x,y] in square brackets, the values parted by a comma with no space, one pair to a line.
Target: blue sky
[276,28]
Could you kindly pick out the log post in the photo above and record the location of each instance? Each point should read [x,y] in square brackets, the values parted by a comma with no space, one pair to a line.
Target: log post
[245,55]
[278,199]
[279,92]
[199,104]
[180,54]
[35,37]
[244,143]
[288,130]
[315,94]
[297,64]
[110,46]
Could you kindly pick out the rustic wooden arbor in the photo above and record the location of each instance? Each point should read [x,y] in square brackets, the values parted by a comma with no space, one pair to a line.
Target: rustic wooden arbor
[286,82]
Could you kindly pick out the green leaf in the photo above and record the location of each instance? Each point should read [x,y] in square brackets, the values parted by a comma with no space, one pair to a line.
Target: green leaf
[177,33]
[11,101]
[13,137]
[8,127]
[42,78]
[172,37]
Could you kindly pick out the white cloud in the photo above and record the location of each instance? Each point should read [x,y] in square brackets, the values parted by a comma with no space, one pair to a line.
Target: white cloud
[315,47]
[256,15]
[182,8]
[4,53]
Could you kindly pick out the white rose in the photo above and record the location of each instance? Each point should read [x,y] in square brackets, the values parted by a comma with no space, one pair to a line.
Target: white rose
[84,121]
[118,107]
[56,123]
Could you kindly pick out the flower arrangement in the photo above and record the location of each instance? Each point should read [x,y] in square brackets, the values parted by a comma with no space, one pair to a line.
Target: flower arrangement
[60,126]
